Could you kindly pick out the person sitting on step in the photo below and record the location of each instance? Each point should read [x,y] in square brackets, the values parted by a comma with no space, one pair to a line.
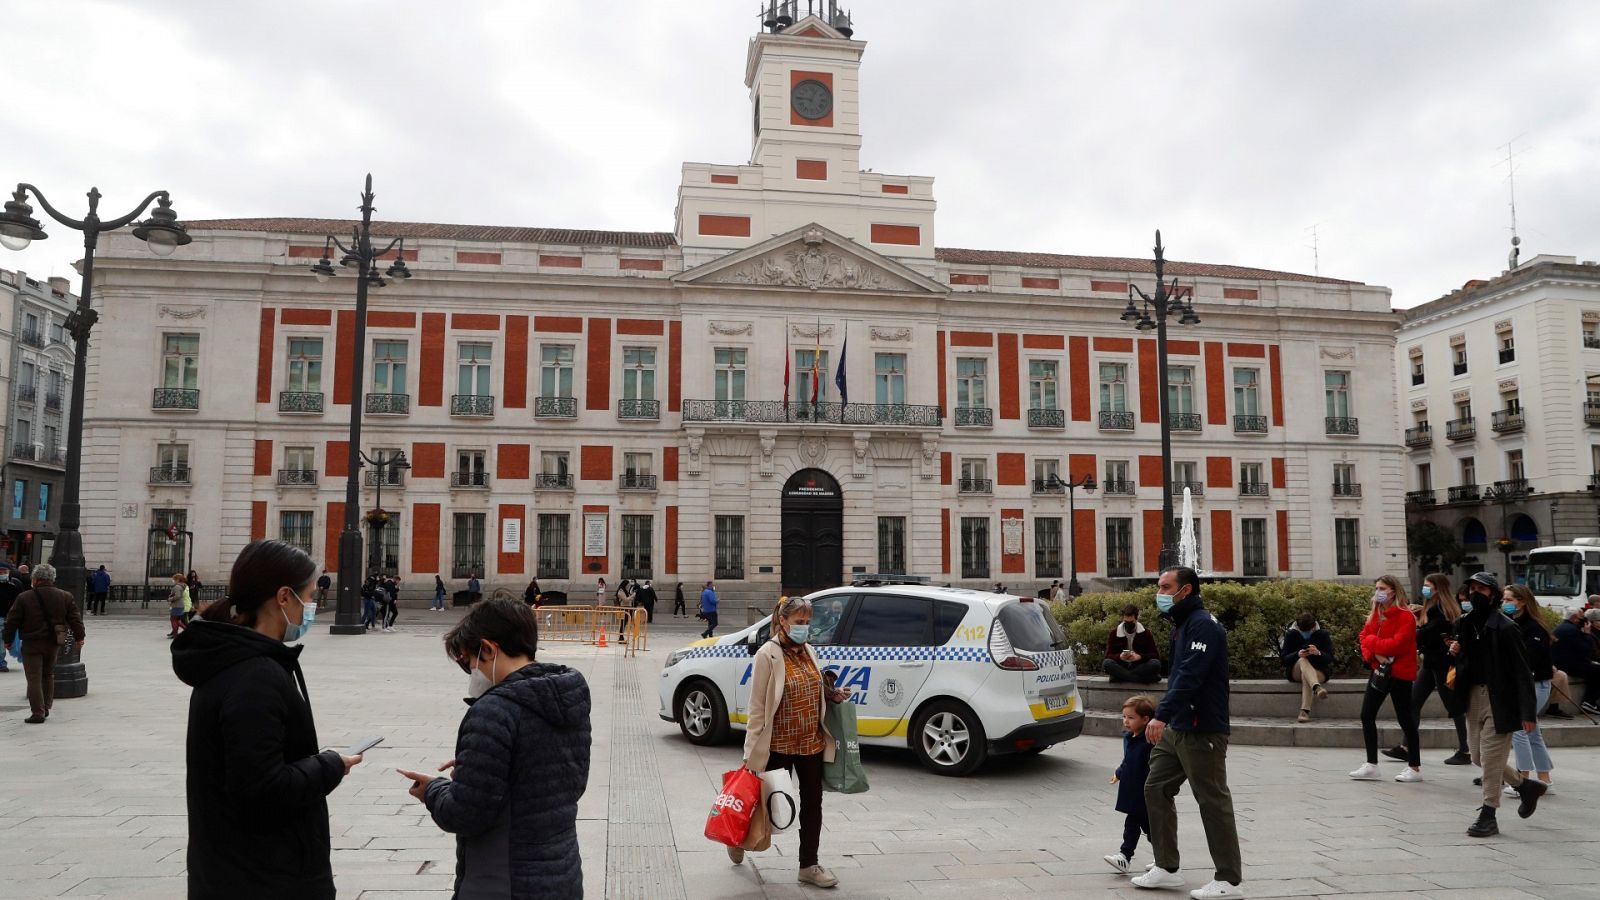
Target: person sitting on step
[1307,657]
[1131,653]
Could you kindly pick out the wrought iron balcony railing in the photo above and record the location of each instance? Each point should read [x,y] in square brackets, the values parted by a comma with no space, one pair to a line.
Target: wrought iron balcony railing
[1249,424]
[297,477]
[639,409]
[1049,486]
[1591,412]
[1512,489]
[1196,488]
[27,393]
[1346,489]
[779,412]
[169,474]
[390,478]
[23,451]
[977,486]
[1253,489]
[52,401]
[1419,436]
[974,417]
[389,404]
[1508,356]
[479,406]
[1420,498]
[1117,486]
[1116,420]
[1417,379]
[636,481]
[307,401]
[469,479]
[553,481]
[1342,425]
[175,398]
[1462,429]
[1591,342]
[1183,421]
[555,407]
[33,338]
[1462,493]
[1458,368]
[1047,418]
[1505,421]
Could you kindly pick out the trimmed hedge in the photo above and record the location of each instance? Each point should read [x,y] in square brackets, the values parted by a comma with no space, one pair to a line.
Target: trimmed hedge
[1256,616]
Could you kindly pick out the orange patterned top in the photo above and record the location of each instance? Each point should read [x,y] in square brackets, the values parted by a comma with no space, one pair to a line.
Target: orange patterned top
[797,728]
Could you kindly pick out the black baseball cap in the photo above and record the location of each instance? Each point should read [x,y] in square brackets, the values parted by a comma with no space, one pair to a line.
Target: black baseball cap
[1487,580]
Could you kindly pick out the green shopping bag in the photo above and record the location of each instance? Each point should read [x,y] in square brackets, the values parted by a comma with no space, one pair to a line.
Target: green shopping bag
[845,774]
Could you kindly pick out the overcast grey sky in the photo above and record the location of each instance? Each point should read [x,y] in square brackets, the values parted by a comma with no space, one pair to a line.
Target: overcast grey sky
[1075,127]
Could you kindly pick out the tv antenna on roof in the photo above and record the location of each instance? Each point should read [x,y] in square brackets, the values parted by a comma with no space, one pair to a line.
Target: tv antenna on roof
[1316,252]
[1511,180]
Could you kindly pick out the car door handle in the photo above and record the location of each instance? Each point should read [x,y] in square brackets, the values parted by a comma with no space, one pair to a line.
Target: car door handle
[912,663]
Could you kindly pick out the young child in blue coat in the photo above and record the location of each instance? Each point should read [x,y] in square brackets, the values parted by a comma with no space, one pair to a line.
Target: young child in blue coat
[1136,714]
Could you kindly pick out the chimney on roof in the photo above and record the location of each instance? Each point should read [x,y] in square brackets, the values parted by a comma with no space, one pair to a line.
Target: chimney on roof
[1474,284]
[60,285]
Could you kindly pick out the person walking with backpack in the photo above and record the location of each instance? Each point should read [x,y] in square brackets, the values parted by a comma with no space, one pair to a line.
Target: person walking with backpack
[1389,646]
[1492,668]
[1195,747]
[45,616]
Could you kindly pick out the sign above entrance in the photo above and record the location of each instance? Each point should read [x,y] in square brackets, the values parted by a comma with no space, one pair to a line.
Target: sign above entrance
[812,483]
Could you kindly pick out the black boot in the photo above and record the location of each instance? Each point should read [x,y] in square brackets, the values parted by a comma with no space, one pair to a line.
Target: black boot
[1485,826]
[1531,789]
[1556,712]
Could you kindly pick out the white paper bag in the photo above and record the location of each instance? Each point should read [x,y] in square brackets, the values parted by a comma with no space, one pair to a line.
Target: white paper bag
[778,797]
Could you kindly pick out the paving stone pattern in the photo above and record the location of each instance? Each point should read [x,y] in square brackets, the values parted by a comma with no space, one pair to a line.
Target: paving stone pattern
[93,801]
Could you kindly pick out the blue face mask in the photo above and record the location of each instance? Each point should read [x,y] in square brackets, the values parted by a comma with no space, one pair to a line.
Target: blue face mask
[1509,608]
[799,633]
[1466,606]
[295,631]
[1427,591]
[1164,602]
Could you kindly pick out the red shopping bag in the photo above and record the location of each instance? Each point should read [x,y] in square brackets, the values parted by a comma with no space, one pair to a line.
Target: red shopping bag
[729,821]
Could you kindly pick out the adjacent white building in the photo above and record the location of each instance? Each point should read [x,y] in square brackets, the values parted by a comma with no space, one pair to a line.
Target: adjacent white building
[36,384]
[1500,401]
[577,404]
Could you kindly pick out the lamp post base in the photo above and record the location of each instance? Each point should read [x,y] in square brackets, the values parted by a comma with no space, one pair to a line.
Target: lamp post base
[72,679]
[347,629]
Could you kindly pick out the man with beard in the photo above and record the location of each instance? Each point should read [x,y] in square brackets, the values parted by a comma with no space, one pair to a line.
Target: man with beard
[1491,670]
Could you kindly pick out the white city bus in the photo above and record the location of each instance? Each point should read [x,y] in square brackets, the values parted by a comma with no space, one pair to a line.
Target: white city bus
[1564,576]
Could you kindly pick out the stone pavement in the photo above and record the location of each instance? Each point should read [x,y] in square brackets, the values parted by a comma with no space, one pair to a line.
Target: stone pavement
[91,803]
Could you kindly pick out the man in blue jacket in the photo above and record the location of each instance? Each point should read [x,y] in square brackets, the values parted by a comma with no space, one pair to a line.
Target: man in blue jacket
[1196,746]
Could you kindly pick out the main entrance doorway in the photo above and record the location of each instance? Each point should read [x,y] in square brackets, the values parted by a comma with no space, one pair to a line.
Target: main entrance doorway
[813,532]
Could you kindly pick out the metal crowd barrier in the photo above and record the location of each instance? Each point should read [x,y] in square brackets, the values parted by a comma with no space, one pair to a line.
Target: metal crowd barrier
[628,628]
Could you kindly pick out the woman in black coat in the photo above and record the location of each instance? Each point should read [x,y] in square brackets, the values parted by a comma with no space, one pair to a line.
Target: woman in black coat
[522,762]
[257,786]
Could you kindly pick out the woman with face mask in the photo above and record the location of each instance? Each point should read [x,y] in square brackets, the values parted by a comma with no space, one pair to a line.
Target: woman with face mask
[787,704]
[522,761]
[1436,621]
[1389,642]
[1528,746]
[257,785]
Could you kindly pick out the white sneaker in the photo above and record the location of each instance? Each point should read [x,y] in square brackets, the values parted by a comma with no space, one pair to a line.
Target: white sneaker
[1157,877]
[1509,791]
[1117,861]
[1409,775]
[1368,772]
[1216,890]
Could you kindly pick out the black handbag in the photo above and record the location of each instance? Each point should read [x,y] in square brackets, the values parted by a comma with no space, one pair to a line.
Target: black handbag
[1380,677]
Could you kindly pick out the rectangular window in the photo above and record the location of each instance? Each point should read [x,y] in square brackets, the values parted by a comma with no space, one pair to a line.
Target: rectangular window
[974,468]
[730,372]
[637,537]
[1185,473]
[974,548]
[19,495]
[180,361]
[1047,547]
[1347,545]
[889,379]
[1336,393]
[27,379]
[1418,375]
[167,555]
[1253,538]
[1459,352]
[391,474]
[1344,475]
[1043,471]
[32,322]
[1117,471]
[23,435]
[1180,390]
[555,370]
[389,556]
[1425,477]
[729,546]
[1251,473]
[1508,347]
[554,462]
[305,365]
[803,375]
[473,368]
[1513,402]
[472,468]
[1514,469]
[174,459]
[1469,470]
[44,501]
[1042,384]
[1247,392]
[636,463]
[1464,409]
[389,367]
[638,373]
[294,528]
[553,544]
[467,558]
[892,545]
[1113,387]
[300,459]
[1119,547]
[971,380]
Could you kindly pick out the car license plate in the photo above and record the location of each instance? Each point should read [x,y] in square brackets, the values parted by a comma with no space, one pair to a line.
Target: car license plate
[1059,701]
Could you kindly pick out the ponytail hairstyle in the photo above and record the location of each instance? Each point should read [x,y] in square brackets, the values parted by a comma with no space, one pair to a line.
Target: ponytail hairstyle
[261,569]
[1442,597]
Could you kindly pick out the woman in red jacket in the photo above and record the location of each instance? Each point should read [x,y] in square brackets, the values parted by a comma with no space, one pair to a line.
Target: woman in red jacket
[1389,644]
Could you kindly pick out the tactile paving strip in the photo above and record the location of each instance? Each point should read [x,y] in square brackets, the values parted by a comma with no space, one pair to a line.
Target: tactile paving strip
[641,859]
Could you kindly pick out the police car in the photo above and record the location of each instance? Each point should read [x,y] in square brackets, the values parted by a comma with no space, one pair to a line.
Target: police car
[953,674]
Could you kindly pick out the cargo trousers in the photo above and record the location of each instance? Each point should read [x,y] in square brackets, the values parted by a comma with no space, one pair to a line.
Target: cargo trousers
[1201,758]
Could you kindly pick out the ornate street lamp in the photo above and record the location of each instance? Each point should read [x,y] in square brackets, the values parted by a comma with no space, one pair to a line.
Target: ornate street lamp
[1087,483]
[1168,299]
[162,233]
[378,519]
[362,257]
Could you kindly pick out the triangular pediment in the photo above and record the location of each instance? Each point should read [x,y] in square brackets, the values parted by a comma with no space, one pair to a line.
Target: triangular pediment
[813,26]
[813,258]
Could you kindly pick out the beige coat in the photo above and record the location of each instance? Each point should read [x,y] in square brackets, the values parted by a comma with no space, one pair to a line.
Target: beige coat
[766,696]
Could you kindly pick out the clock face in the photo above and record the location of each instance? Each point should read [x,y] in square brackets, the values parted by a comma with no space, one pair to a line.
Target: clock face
[811,99]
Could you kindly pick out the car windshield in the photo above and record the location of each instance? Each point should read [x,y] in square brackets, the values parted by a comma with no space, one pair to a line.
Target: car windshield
[1555,574]
[1030,627]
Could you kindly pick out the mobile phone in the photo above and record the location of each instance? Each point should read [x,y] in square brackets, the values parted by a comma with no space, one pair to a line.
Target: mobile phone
[363,745]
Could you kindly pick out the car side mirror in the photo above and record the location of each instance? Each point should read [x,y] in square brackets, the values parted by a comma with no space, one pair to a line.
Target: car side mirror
[753,643]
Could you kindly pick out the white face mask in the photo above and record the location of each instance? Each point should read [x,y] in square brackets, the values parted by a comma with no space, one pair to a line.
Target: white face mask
[478,683]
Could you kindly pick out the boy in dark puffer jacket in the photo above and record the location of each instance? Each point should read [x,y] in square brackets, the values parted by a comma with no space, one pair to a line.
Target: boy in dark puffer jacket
[522,762]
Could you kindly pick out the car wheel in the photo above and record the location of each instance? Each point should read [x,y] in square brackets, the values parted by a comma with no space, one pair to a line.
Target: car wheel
[948,738]
[702,715]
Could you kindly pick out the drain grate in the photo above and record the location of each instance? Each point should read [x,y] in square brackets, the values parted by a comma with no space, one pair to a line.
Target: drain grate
[641,858]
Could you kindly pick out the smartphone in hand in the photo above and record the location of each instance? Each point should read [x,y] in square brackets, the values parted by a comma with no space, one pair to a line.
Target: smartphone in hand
[363,745]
